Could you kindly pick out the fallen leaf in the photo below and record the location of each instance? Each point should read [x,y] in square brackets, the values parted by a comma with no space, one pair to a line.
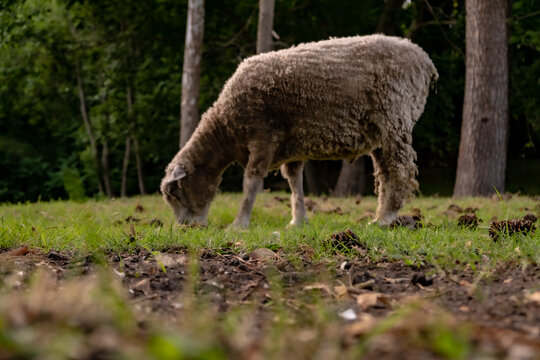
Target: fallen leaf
[319,287]
[362,325]
[341,291]
[507,281]
[397,280]
[23,250]
[120,274]
[142,286]
[534,297]
[168,260]
[366,300]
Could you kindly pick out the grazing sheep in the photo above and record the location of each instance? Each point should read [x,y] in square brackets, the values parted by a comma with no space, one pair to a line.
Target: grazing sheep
[334,99]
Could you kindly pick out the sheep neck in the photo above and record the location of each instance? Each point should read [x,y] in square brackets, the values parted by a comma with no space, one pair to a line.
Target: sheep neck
[206,150]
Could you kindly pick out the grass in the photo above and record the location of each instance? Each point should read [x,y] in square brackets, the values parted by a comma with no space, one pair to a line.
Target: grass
[93,316]
[100,226]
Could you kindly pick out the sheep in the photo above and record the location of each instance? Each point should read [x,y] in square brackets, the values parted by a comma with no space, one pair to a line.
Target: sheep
[334,99]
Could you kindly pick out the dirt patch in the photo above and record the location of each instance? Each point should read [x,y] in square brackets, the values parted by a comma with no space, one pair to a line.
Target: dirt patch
[157,280]
[502,305]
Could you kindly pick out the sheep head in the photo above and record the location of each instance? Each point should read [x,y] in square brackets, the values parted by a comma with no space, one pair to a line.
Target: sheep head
[187,194]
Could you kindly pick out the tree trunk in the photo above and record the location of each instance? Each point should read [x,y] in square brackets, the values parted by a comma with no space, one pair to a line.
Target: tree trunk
[265,26]
[138,162]
[312,178]
[125,165]
[189,112]
[352,178]
[387,19]
[482,150]
[105,169]
[88,127]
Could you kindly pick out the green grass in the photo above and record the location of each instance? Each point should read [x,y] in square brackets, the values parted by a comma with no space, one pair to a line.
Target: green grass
[101,226]
[94,316]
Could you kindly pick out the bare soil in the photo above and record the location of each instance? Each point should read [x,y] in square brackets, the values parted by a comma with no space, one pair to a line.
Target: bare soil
[497,304]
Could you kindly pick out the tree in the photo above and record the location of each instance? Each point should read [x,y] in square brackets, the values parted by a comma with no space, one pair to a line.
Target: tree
[265,26]
[482,151]
[189,117]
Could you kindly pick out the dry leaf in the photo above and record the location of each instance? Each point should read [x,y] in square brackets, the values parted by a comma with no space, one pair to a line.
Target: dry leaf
[368,299]
[319,287]
[341,291]
[393,281]
[507,281]
[362,325]
[534,297]
[23,250]
[168,260]
[142,285]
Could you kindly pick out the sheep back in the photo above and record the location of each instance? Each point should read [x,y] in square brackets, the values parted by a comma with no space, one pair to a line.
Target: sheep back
[332,99]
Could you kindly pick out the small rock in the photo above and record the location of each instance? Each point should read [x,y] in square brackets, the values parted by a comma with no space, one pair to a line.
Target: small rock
[348,314]
[262,254]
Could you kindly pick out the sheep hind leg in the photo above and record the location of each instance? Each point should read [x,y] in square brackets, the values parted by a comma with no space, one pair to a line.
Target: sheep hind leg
[395,181]
[293,173]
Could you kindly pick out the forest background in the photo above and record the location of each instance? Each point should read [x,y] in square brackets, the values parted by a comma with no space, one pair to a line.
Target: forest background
[87,80]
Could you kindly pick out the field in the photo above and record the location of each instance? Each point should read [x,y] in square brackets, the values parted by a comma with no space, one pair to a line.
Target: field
[116,279]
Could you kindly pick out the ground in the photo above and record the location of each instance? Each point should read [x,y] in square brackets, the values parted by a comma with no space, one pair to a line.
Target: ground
[117,279]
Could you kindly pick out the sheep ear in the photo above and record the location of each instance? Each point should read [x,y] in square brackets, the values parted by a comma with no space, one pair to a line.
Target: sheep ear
[178,173]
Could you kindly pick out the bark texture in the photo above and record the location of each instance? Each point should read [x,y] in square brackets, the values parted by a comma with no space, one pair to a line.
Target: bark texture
[352,178]
[265,26]
[88,127]
[132,119]
[105,168]
[125,166]
[138,163]
[189,117]
[482,151]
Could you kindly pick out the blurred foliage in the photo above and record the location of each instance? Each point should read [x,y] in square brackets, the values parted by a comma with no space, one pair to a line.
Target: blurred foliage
[44,44]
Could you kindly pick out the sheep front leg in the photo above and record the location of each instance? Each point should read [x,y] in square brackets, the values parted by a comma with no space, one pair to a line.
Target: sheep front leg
[260,157]
[251,186]
[395,173]
[293,173]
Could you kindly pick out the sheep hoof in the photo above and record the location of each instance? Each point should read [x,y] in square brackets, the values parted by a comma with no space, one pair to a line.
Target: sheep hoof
[239,225]
[379,224]
[296,223]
